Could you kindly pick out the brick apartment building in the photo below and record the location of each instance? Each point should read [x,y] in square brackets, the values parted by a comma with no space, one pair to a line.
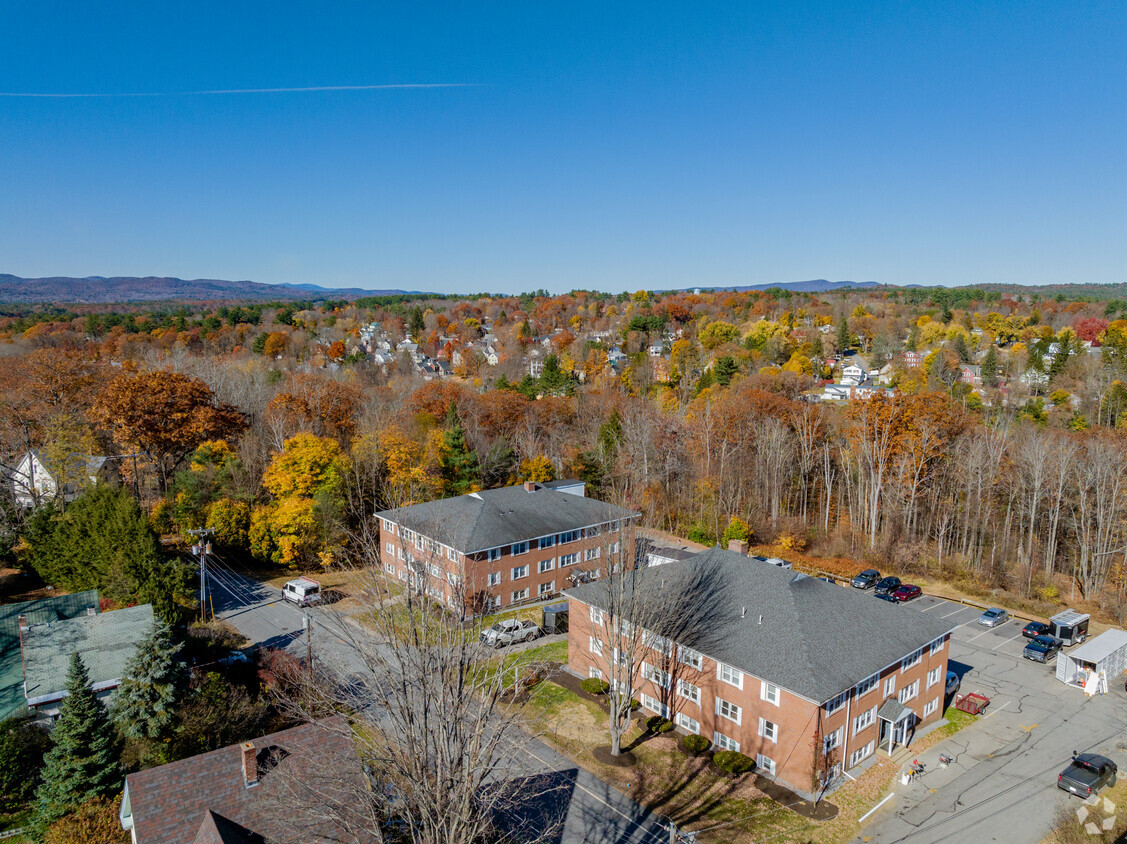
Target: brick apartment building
[780,662]
[501,547]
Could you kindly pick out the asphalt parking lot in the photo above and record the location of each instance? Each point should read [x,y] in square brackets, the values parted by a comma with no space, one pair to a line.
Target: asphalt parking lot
[1001,784]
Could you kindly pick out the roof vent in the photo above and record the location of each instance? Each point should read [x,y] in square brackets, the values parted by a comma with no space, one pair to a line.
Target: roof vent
[743,612]
[761,619]
[91,611]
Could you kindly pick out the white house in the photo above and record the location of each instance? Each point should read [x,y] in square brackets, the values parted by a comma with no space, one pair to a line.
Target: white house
[32,482]
[854,370]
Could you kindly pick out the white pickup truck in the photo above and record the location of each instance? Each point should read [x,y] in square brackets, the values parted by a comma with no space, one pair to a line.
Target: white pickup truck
[510,631]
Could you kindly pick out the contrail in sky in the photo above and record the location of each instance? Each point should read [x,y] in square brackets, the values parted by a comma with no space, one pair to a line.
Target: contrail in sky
[251,90]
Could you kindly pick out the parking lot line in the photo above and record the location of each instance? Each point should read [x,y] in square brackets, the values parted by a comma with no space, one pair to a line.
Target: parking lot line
[939,603]
[1018,636]
[999,709]
[954,612]
[980,635]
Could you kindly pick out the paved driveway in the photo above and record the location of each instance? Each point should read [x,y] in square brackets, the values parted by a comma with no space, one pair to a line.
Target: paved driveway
[592,811]
[1001,785]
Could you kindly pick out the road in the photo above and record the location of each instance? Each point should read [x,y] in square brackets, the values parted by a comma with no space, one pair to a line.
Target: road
[592,812]
[1001,785]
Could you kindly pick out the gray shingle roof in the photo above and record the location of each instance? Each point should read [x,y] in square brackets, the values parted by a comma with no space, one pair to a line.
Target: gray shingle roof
[495,517]
[105,641]
[801,633]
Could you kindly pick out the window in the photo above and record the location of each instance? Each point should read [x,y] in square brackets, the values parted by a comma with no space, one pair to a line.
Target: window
[389,567]
[831,741]
[519,572]
[546,588]
[547,541]
[402,574]
[688,691]
[494,578]
[591,554]
[858,755]
[937,645]
[768,729]
[765,763]
[546,565]
[933,676]
[865,719]
[568,560]
[909,692]
[657,643]
[452,555]
[518,548]
[399,552]
[725,742]
[769,692]
[730,675]
[890,685]
[728,710]
[388,526]
[570,536]
[391,548]
[621,658]
[655,675]
[594,673]
[595,646]
[614,547]
[690,657]
[434,570]
[654,705]
[867,685]
[520,595]
[690,724]
[837,703]
[911,659]
[596,615]
[454,580]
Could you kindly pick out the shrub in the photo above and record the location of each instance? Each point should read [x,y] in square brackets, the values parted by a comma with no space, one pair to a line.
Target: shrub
[594,686]
[733,762]
[695,744]
[635,704]
[658,724]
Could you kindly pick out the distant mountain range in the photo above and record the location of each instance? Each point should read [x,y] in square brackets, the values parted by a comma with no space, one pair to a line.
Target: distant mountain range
[818,285]
[100,290]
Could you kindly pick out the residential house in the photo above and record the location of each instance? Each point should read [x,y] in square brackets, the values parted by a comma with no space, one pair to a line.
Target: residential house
[105,641]
[970,373]
[501,547]
[535,362]
[32,482]
[13,617]
[854,370]
[912,360]
[275,788]
[775,660]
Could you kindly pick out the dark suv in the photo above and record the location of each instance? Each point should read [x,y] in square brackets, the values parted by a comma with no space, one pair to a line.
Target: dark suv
[866,579]
[887,586]
[1041,648]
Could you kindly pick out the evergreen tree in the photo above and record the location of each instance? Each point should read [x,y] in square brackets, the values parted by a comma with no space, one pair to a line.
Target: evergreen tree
[145,702]
[528,387]
[84,762]
[913,344]
[725,367]
[844,337]
[990,367]
[553,380]
[959,346]
[22,745]
[459,467]
[418,325]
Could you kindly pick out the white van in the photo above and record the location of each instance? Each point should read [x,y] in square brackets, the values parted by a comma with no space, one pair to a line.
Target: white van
[302,591]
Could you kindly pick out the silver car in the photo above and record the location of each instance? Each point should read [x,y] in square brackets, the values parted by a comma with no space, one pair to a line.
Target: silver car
[994,617]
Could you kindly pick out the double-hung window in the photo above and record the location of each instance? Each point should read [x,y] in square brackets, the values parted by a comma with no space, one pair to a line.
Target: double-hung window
[857,756]
[687,723]
[933,676]
[596,615]
[654,705]
[546,588]
[865,719]
[890,685]
[518,548]
[655,675]
[730,675]
[727,709]
[765,763]
[911,659]
[932,705]
[725,742]
[494,578]
[769,692]
[595,645]
[520,595]
[568,560]
[547,565]
[591,554]
[570,536]
[909,692]
[937,645]
[768,730]
[690,657]
[831,740]
[688,691]
[493,554]
[547,541]
[519,572]
[837,703]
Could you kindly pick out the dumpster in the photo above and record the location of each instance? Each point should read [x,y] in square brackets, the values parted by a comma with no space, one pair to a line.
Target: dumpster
[555,618]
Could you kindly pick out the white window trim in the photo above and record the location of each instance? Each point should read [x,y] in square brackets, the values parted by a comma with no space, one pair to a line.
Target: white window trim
[869,717]
[764,692]
[933,676]
[687,723]
[720,702]
[523,569]
[867,685]
[595,645]
[765,763]
[769,730]
[890,685]
[739,675]
[911,660]
[596,615]
[692,693]
[725,742]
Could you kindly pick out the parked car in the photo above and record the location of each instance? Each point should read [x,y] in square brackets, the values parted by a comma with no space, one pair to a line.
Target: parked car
[953,683]
[1087,774]
[887,586]
[1034,629]
[233,658]
[906,592]
[1041,648]
[302,591]
[866,579]
[509,632]
[994,617]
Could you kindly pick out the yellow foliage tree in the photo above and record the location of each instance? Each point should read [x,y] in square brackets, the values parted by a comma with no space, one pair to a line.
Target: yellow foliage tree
[230,520]
[286,533]
[307,465]
[538,470]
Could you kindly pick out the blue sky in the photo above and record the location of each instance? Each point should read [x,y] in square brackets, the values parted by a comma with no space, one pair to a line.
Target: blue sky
[608,145]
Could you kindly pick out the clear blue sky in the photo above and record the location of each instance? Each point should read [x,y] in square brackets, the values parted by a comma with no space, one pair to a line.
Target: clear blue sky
[607,145]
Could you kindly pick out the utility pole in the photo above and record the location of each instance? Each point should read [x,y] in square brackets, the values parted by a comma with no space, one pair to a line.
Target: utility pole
[307,625]
[201,549]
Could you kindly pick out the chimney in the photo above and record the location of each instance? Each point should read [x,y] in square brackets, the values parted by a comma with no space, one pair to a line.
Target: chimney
[530,486]
[737,545]
[250,763]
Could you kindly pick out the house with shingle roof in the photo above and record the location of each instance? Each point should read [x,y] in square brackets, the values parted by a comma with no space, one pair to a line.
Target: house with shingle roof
[778,659]
[105,641]
[500,547]
[296,785]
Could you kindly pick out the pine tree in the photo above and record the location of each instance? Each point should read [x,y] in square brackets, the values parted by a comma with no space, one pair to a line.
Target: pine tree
[990,367]
[459,463]
[418,324]
[145,702]
[84,762]
[844,337]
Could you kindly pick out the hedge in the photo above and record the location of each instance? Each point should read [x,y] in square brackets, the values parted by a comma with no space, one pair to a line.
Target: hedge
[594,686]
[695,744]
[658,724]
[733,762]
